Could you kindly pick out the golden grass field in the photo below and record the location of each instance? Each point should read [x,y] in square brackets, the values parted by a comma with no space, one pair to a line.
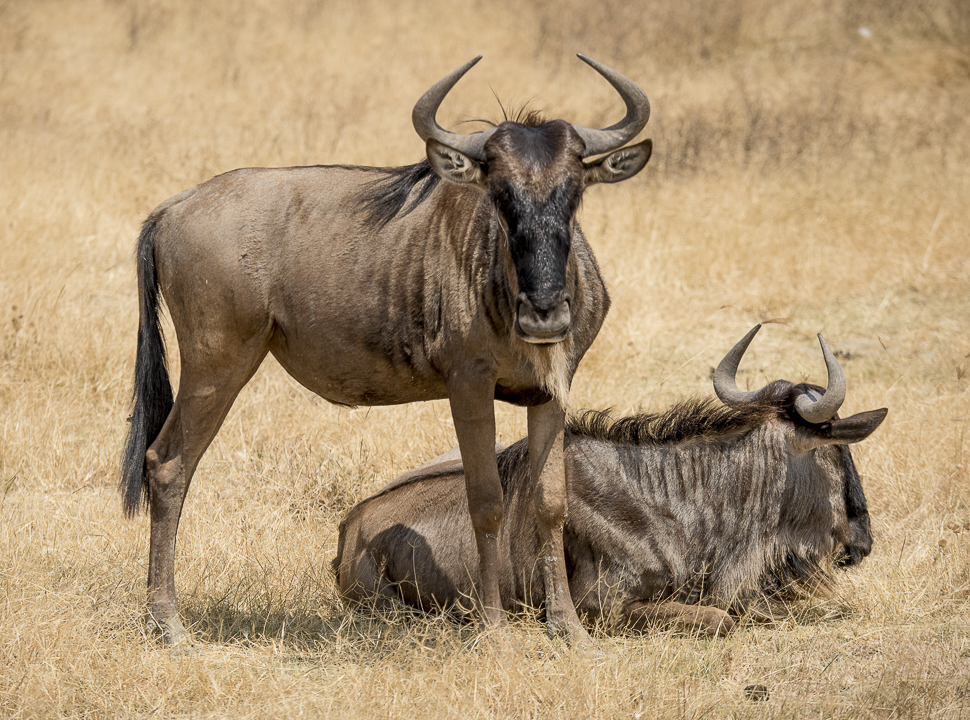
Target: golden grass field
[801,171]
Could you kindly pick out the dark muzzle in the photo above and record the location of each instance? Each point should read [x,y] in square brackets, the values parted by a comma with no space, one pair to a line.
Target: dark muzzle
[543,319]
[859,546]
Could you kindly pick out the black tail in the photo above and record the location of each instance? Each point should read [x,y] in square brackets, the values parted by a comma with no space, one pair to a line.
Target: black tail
[152,395]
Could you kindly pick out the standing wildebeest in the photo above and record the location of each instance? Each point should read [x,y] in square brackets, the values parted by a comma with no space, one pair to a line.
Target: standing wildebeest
[377,286]
[674,518]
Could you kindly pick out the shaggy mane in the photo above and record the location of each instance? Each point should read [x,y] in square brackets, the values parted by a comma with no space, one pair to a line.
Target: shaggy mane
[688,419]
[397,192]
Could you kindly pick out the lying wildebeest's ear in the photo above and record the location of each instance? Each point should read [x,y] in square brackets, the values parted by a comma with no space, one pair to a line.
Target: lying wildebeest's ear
[453,165]
[843,431]
[620,164]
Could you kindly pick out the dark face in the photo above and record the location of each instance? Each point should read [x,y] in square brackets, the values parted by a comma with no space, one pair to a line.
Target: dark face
[536,182]
[853,537]
[535,176]
[860,542]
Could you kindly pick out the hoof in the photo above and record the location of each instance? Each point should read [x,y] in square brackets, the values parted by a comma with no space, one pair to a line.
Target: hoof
[574,633]
[724,626]
[185,650]
[171,632]
[714,622]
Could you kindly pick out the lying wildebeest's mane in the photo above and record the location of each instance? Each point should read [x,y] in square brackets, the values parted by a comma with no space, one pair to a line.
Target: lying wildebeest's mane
[694,418]
[399,190]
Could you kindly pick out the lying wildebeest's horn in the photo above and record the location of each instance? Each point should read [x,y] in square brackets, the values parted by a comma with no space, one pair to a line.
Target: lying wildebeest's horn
[637,113]
[816,409]
[423,117]
[809,405]
[725,384]
[597,141]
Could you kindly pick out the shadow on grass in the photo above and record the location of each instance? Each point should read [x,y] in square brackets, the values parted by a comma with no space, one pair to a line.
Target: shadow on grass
[313,623]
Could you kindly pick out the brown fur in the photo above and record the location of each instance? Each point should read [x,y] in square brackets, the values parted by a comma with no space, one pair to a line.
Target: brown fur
[376,287]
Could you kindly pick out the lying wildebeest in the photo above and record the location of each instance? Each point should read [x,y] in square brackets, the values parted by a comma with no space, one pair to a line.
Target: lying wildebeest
[674,518]
[377,286]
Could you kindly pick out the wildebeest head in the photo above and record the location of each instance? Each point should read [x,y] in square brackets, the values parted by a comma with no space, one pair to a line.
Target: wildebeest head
[534,173]
[820,439]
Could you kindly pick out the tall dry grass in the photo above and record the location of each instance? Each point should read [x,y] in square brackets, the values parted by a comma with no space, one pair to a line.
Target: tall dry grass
[801,171]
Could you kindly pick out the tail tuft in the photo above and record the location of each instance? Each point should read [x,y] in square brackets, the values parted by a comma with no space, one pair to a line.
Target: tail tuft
[152,395]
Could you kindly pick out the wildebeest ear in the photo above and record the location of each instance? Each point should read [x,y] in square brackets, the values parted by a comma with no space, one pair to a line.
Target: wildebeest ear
[620,164]
[845,431]
[453,165]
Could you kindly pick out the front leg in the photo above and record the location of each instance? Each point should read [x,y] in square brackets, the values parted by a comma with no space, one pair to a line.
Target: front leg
[472,408]
[702,619]
[546,432]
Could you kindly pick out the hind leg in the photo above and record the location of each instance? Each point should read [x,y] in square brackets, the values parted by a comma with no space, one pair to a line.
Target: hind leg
[203,401]
[363,582]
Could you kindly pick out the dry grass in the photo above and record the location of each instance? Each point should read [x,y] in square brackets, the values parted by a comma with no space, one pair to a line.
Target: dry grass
[801,171]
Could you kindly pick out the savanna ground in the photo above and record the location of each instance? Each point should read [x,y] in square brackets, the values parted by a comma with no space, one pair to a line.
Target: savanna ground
[810,163]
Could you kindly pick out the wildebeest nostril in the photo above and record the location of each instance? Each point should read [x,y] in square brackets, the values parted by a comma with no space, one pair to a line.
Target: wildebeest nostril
[544,303]
[543,320]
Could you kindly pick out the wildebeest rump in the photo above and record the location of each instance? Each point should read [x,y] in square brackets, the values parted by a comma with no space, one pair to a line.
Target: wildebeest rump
[376,286]
[674,518]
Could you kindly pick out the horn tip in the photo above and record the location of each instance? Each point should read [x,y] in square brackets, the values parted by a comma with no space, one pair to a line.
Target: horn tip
[468,65]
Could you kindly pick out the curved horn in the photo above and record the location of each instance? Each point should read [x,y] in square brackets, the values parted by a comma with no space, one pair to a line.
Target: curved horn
[637,113]
[725,385]
[423,117]
[816,409]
